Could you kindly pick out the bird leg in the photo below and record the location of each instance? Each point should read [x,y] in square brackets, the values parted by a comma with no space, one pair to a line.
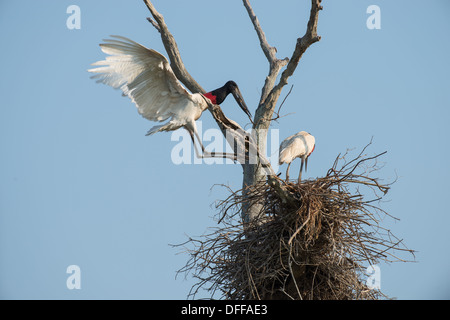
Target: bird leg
[300,173]
[206,154]
[287,171]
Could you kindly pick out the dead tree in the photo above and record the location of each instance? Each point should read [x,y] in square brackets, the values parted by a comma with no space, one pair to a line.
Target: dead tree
[259,170]
[271,92]
[306,241]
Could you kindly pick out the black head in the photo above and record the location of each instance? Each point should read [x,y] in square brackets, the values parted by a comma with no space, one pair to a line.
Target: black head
[231,87]
[222,92]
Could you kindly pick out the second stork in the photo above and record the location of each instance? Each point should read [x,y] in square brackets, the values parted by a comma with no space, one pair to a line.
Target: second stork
[299,145]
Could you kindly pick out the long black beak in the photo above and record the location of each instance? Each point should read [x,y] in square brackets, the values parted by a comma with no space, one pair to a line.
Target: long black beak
[238,97]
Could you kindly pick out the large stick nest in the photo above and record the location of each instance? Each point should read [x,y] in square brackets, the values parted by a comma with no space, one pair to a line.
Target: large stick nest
[311,241]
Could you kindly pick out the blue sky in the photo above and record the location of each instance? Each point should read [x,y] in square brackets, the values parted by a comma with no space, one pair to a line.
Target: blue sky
[81,184]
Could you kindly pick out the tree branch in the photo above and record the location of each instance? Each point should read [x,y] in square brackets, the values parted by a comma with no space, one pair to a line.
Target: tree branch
[244,146]
[304,42]
[268,50]
[254,173]
[239,139]
[265,110]
[180,71]
[154,23]
[171,47]
[275,64]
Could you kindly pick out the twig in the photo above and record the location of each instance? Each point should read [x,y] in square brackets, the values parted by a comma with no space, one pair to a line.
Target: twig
[279,108]
[154,24]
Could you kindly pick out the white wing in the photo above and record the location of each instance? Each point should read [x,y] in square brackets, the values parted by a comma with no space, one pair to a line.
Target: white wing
[144,75]
[285,143]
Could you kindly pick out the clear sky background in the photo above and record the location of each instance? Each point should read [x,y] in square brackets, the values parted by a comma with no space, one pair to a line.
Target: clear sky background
[81,184]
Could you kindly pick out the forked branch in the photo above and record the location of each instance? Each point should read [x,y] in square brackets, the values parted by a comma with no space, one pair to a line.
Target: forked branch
[271,92]
[254,173]
[226,125]
[270,52]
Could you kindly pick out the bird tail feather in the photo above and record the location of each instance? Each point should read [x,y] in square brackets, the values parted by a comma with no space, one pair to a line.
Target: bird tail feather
[164,127]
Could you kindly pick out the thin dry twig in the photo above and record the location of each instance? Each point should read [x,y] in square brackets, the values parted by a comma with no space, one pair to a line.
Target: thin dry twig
[277,113]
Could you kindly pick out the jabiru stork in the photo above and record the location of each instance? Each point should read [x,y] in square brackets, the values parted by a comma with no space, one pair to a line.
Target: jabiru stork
[299,145]
[145,76]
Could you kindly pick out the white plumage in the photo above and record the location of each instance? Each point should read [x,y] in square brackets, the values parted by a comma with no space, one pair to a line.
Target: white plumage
[145,76]
[299,145]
